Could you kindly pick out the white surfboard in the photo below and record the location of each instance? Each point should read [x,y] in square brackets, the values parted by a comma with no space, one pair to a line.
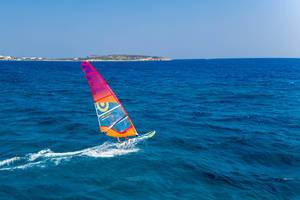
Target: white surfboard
[135,140]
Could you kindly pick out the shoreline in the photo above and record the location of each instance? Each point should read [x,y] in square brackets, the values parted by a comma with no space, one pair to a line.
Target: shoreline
[87,60]
[92,58]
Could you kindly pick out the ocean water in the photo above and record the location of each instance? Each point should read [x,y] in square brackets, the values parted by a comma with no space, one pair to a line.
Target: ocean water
[226,129]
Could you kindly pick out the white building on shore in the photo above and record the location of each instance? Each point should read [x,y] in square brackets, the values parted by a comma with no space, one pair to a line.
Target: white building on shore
[5,57]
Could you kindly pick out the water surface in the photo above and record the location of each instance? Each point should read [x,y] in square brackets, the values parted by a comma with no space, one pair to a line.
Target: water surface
[226,129]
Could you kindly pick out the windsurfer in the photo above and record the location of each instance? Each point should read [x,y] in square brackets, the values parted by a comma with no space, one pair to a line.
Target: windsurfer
[126,138]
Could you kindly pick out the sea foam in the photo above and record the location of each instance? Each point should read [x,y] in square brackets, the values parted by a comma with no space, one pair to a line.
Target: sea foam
[45,156]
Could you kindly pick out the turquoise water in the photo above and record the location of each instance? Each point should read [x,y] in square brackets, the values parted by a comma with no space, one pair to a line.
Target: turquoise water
[226,129]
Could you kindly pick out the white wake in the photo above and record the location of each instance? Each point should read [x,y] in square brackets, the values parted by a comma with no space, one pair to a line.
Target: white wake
[43,157]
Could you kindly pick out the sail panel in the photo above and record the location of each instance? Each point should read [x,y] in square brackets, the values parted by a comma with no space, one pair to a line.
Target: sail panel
[98,85]
[110,118]
[103,107]
[129,132]
[122,125]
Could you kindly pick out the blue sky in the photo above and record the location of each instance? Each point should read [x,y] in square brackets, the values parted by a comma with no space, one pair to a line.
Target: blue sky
[173,28]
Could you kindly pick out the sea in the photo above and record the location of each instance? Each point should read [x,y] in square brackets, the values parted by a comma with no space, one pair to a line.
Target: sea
[225,129]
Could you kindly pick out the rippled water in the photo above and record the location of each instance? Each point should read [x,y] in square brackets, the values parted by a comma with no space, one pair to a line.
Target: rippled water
[226,129]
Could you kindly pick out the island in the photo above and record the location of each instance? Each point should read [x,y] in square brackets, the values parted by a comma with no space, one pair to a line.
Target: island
[117,57]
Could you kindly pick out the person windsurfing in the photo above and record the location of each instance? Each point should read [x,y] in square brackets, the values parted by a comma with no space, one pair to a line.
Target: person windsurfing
[112,118]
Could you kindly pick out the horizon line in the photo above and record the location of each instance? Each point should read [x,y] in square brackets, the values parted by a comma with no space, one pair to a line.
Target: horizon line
[199,58]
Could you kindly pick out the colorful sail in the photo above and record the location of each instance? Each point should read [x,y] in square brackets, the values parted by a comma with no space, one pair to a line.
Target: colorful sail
[113,119]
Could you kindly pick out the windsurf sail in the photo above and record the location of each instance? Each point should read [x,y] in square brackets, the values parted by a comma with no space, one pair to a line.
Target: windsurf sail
[112,117]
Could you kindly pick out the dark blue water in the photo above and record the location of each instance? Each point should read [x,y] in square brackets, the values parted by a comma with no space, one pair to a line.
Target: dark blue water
[226,129]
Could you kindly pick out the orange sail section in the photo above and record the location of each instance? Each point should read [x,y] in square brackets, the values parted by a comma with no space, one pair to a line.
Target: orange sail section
[113,119]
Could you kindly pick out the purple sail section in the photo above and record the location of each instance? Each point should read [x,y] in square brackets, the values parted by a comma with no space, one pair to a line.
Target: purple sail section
[98,85]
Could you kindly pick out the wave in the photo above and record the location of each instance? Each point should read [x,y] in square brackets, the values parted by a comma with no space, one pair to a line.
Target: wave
[46,156]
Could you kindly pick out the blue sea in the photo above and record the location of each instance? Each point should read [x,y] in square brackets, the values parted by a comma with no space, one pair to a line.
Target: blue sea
[225,129]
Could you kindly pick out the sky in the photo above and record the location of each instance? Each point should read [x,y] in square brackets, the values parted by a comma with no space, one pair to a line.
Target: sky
[173,28]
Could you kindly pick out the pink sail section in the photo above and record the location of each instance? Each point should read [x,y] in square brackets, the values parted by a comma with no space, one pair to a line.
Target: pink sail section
[98,85]
[113,119]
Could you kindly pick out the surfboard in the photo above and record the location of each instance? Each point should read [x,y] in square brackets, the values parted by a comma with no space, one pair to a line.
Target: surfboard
[112,118]
[142,137]
[135,140]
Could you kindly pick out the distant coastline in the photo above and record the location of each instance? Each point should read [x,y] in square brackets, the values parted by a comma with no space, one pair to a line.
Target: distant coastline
[89,58]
